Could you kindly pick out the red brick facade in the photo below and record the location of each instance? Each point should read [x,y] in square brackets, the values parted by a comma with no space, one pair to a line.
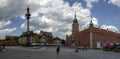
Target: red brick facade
[102,36]
[75,29]
[91,37]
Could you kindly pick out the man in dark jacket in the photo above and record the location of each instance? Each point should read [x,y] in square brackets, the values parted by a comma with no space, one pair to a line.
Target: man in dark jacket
[58,49]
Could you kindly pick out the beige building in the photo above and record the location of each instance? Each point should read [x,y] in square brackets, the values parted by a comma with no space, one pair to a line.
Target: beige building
[44,38]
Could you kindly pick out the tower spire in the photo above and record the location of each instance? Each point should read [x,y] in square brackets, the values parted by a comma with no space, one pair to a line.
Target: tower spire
[91,23]
[75,14]
[75,19]
[75,25]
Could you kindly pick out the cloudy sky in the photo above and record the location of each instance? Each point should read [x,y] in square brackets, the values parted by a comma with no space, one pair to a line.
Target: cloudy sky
[56,15]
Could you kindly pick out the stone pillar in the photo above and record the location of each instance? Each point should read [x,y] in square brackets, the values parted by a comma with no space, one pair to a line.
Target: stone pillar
[28,34]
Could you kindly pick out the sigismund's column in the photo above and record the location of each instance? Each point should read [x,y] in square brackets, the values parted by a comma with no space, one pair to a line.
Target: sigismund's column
[28,17]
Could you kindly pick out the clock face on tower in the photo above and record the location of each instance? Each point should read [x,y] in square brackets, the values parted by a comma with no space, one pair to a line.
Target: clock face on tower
[75,26]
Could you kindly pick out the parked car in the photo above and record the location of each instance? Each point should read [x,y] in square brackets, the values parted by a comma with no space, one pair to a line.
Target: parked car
[112,47]
[116,47]
[108,47]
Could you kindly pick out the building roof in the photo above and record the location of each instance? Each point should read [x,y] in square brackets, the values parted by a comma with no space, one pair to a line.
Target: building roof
[44,33]
[75,19]
[30,33]
[99,30]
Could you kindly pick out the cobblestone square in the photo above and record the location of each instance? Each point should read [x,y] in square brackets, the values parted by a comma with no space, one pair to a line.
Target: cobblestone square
[50,53]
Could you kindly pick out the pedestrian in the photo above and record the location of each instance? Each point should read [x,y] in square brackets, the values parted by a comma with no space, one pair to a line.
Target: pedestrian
[3,47]
[76,50]
[0,49]
[58,49]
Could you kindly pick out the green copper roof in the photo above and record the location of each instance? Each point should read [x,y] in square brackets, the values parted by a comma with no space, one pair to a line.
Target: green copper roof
[91,24]
[75,19]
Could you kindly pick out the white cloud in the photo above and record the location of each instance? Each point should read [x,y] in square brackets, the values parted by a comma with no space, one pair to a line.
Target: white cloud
[5,32]
[4,23]
[115,2]
[95,21]
[110,28]
[3,3]
[49,15]
[89,3]
[56,16]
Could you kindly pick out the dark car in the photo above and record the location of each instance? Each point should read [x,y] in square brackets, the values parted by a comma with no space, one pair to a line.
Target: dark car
[116,47]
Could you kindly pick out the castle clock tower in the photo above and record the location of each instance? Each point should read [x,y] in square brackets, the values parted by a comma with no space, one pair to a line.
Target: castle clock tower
[75,26]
